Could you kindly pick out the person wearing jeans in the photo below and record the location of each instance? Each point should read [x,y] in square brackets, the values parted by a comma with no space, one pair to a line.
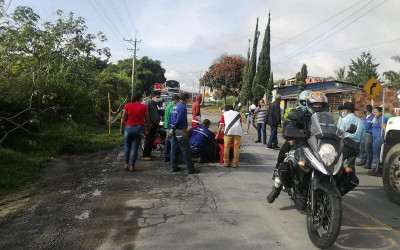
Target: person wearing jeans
[132,137]
[378,132]
[178,135]
[261,112]
[274,120]
[366,147]
[167,114]
[133,118]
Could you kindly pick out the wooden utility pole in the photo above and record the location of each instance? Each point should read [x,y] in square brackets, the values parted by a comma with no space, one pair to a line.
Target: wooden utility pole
[109,114]
[134,42]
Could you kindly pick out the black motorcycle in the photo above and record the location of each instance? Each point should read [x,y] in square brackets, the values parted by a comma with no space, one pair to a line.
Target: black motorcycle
[317,179]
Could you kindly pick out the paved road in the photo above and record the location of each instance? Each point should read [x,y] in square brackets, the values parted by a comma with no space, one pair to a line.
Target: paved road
[106,208]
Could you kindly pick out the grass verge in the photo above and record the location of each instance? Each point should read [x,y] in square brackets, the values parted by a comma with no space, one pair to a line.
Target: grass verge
[21,160]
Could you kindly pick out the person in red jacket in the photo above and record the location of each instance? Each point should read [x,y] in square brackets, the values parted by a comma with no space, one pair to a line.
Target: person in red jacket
[196,115]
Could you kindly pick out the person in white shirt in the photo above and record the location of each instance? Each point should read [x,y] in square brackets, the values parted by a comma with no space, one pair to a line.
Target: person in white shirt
[250,116]
[231,122]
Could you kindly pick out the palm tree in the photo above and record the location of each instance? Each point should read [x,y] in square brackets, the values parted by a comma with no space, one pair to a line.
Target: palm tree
[341,73]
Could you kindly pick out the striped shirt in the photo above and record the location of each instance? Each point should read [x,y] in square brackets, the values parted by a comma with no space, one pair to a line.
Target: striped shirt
[262,115]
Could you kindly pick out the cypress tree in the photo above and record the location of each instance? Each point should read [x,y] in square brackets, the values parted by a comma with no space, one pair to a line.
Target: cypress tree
[244,94]
[252,66]
[302,78]
[260,82]
[270,87]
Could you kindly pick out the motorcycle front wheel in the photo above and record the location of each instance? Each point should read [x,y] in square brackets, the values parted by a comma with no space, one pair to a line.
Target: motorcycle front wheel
[324,224]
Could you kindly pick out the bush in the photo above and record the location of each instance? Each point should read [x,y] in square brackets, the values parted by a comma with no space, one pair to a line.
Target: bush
[20,162]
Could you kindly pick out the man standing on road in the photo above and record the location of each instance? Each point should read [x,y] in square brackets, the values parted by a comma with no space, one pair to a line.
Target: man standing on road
[261,112]
[348,118]
[366,147]
[232,124]
[274,120]
[179,137]
[196,115]
[250,116]
[167,113]
[152,106]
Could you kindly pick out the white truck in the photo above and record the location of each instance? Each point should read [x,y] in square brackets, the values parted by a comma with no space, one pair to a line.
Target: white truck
[390,157]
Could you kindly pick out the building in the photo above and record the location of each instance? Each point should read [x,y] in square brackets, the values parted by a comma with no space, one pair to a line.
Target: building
[338,93]
[309,79]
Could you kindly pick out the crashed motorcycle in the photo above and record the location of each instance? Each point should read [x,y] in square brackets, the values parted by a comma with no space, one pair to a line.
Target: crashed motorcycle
[314,176]
[159,139]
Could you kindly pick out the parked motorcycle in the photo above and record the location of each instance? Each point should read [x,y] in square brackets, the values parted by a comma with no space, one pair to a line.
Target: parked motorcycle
[317,179]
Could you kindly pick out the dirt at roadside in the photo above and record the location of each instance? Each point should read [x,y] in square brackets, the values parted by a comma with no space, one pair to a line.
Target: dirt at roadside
[78,200]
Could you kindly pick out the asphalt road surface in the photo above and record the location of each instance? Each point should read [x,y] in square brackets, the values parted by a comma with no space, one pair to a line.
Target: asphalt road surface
[94,204]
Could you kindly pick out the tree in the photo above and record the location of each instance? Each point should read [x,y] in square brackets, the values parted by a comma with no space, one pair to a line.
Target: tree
[260,82]
[148,72]
[362,69]
[302,76]
[270,88]
[244,89]
[340,74]
[280,82]
[226,75]
[252,68]
[392,76]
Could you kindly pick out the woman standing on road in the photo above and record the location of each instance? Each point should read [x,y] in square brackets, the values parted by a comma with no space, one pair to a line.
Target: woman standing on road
[132,125]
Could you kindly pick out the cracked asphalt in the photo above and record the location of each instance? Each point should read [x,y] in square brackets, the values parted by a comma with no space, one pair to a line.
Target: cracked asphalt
[95,204]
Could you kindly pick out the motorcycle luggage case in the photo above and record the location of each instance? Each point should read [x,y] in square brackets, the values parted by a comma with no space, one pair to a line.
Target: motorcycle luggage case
[346,182]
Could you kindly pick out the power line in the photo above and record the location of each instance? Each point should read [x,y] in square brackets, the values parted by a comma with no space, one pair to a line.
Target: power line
[345,50]
[301,33]
[102,18]
[101,6]
[119,17]
[130,16]
[304,48]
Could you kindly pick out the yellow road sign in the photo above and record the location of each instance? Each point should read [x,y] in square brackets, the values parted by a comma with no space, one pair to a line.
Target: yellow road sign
[372,88]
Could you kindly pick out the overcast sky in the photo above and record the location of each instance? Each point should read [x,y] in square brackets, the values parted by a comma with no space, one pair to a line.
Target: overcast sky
[187,35]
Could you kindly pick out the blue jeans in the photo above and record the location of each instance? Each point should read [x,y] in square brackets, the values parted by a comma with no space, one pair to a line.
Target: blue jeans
[167,148]
[181,141]
[376,148]
[132,137]
[366,150]
[273,137]
[261,129]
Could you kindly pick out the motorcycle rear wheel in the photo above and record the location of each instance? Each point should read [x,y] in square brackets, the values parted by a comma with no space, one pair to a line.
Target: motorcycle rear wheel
[324,225]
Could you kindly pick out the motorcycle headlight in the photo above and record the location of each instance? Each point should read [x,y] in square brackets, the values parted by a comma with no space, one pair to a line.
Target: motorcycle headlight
[327,153]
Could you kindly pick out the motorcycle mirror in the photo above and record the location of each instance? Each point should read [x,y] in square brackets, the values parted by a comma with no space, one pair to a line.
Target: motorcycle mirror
[352,129]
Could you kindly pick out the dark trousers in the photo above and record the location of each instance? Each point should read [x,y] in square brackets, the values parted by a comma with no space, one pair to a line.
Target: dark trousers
[350,154]
[261,130]
[366,150]
[180,141]
[273,137]
[206,152]
[148,142]
[282,153]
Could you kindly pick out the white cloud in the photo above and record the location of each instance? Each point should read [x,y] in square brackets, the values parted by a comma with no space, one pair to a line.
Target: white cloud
[186,35]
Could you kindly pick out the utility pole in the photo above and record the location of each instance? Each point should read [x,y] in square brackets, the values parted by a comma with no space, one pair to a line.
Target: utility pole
[134,42]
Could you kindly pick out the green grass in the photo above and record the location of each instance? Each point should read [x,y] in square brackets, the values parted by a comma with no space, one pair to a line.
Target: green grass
[21,159]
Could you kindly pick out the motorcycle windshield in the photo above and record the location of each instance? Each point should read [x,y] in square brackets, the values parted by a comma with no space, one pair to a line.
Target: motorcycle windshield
[323,125]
